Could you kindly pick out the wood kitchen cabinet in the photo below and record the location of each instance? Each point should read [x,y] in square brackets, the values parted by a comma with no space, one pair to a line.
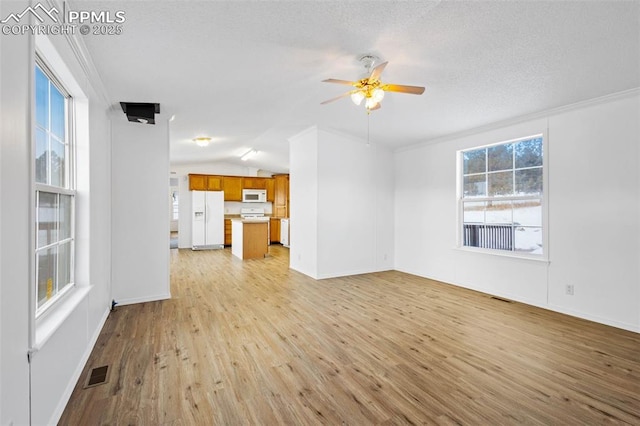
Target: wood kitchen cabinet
[281,202]
[215,183]
[205,182]
[197,182]
[275,230]
[270,186]
[253,183]
[232,188]
[227,232]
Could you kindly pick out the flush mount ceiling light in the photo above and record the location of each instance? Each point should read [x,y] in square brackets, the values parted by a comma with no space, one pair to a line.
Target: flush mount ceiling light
[371,89]
[248,154]
[203,141]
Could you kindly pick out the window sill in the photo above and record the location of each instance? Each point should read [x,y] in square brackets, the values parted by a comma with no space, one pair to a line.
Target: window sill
[47,325]
[503,253]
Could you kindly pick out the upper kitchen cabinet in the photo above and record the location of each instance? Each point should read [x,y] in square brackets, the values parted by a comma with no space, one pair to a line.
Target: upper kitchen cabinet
[215,183]
[254,183]
[281,203]
[197,182]
[232,188]
[270,186]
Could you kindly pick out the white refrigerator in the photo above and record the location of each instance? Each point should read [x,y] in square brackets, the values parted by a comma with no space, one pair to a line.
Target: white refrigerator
[207,228]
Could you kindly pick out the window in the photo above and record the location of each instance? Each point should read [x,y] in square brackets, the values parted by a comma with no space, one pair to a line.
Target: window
[54,189]
[502,196]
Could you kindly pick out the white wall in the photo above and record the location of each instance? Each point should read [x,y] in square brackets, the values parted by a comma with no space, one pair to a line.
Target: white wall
[350,188]
[217,168]
[593,224]
[63,346]
[303,207]
[15,65]
[140,218]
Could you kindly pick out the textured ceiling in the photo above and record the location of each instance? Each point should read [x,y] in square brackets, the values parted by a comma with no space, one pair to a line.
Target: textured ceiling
[248,73]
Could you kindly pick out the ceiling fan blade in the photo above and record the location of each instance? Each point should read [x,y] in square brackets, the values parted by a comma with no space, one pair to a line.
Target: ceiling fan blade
[375,73]
[337,97]
[333,80]
[412,90]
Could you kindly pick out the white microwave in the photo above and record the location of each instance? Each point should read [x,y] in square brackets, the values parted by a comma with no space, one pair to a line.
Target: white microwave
[254,195]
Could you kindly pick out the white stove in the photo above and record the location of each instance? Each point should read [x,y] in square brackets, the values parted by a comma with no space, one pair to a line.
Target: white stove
[254,213]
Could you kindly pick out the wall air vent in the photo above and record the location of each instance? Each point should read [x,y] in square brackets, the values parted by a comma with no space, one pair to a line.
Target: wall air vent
[140,112]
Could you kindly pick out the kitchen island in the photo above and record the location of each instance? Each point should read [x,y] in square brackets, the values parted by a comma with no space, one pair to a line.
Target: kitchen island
[250,238]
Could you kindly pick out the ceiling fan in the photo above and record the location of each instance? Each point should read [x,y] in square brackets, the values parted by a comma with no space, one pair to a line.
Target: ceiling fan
[371,89]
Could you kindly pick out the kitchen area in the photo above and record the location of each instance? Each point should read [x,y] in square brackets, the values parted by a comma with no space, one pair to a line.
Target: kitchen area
[245,213]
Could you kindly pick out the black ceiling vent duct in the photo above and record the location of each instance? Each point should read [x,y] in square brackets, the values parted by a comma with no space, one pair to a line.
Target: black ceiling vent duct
[140,112]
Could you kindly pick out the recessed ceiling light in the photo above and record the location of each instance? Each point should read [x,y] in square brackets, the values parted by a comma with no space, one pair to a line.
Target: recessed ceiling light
[203,141]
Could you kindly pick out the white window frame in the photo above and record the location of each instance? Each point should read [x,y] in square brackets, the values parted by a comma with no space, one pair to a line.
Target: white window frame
[67,190]
[543,200]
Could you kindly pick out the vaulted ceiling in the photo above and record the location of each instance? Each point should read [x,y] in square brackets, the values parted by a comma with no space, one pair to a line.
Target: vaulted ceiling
[248,73]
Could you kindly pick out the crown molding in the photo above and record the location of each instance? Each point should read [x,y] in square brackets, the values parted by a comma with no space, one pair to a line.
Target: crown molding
[524,118]
[79,49]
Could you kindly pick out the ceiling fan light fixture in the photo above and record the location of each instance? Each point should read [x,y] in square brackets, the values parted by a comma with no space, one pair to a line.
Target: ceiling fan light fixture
[370,103]
[357,97]
[377,95]
[202,142]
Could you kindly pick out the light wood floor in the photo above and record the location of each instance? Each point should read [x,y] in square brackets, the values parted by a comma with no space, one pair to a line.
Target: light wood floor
[255,343]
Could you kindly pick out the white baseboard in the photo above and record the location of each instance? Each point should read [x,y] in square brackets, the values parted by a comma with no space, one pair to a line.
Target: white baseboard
[132,301]
[64,399]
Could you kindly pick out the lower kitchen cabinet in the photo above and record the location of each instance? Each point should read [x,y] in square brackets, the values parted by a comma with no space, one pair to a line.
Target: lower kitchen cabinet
[227,232]
[275,230]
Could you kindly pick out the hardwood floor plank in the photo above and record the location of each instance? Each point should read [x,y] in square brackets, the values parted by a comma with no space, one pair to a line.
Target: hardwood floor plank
[253,342]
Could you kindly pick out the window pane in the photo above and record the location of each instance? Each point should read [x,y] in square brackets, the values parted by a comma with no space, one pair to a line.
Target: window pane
[42,99]
[42,156]
[474,161]
[500,157]
[500,183]
[529,181]
[57,113]
[47,221]
[57,163]
[473,212]
[529,153]
[65,216]
[528,213]
[475,186]
[498,212]
[64,265]
[46,274]
[528,240]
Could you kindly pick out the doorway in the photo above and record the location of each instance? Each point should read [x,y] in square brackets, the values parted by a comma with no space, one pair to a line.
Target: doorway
[174,203]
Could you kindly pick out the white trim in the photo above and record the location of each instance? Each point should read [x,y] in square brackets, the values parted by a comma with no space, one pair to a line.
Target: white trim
[503,253]
[544,114]
[66,395]
[47,325]
[546,306]
[144,299]
[43,325]
[543,197]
